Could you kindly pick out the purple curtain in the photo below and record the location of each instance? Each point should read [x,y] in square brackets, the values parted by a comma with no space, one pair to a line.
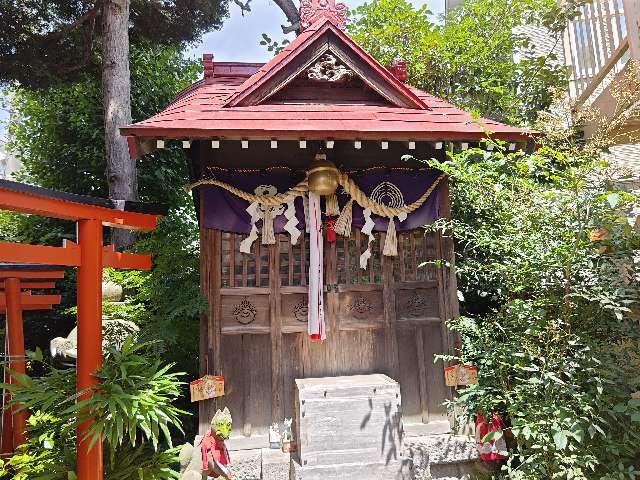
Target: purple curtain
[224,211]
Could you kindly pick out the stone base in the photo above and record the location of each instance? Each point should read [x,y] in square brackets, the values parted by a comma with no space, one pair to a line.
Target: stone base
[443,457]
[453,471]
[275,465]
[431,457]
[440,449]
[352,471]
[246,464]
[260,464]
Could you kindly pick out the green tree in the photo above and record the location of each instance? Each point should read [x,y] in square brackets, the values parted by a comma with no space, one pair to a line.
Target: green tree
[475,59]
[166,302]
[57,133]
[45,42]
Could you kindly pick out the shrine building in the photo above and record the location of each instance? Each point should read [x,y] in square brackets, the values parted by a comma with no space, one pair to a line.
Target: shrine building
[314,259]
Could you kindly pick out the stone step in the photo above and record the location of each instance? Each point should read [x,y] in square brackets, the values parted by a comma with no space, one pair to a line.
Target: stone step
[443,457]
[352,471]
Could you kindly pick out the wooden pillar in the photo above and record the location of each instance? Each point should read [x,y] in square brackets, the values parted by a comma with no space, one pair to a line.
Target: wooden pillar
[210,333]
[448,282]
[89,291]
[15,334]
[389,306]
[447,274]
[277,381]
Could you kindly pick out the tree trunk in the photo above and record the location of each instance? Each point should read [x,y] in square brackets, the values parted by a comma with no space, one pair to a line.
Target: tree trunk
[116,92]
[292,13]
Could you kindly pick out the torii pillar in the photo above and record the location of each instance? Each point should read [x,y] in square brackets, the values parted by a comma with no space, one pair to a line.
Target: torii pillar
[89,360]
[15,337]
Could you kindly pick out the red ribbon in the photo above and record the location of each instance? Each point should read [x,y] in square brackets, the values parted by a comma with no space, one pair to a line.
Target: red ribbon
[329,228]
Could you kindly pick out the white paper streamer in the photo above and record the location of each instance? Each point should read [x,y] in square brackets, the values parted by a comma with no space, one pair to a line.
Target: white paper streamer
[256,214]
[367,229]
[316,325]
[292,221]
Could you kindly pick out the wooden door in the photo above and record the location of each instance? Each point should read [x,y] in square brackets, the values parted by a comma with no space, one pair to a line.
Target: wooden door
[421,333]
[385,319]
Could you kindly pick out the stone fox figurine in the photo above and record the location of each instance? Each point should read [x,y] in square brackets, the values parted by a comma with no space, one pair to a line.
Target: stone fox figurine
[209,456]
[215,457]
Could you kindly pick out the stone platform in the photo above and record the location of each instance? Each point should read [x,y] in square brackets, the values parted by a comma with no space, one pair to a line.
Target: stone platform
[432,457]
[350,428]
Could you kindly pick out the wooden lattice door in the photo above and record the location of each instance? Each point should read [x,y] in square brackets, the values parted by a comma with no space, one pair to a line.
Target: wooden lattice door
[400,301]
[383,319]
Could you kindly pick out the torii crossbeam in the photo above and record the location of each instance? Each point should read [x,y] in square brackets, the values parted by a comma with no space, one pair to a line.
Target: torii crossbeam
[89,256]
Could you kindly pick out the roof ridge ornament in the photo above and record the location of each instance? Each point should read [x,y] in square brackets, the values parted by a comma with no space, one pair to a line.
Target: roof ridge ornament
[313,10]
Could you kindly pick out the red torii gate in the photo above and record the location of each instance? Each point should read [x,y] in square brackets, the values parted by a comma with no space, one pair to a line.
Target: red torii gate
[13,279]
[89,256]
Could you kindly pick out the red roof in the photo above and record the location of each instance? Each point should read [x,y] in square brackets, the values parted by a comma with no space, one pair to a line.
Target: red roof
[304,41]
[224,106]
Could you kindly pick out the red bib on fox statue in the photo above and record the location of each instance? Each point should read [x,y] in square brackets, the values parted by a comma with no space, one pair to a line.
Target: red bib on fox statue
[215,457]
[491,450]
[214,448]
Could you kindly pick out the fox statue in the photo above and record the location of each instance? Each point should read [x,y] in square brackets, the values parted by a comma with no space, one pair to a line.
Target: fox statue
[208,457]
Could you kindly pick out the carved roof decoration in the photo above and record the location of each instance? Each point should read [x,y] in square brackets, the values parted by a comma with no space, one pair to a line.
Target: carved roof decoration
[309,47]
[313,10]
[327,70]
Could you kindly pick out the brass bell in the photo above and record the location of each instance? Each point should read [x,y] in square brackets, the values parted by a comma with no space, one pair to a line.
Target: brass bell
[322,177]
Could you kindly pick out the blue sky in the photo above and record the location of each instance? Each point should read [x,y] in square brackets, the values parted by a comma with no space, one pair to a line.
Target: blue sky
[239,37]
[238,40]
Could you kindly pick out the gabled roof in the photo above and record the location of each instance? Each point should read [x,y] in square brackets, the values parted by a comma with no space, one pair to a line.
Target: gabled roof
[199,112]
[307,48]
[242,100]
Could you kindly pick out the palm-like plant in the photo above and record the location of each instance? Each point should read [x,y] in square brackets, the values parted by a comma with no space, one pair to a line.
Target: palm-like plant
[133,416]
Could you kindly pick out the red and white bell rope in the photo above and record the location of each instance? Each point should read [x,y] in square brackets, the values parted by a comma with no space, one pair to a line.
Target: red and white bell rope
[316,324]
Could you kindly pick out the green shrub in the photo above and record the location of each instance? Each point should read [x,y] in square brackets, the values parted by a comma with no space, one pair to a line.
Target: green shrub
[547,254]
[133,415]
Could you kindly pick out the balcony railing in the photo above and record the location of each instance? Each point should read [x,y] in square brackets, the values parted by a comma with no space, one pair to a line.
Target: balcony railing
[598,44]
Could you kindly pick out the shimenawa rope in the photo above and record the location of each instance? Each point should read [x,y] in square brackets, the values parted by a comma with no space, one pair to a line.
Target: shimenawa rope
[349,185]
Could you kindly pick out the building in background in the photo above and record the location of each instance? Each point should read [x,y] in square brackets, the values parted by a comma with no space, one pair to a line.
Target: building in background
[9,164]
[449,4]
[601,47]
